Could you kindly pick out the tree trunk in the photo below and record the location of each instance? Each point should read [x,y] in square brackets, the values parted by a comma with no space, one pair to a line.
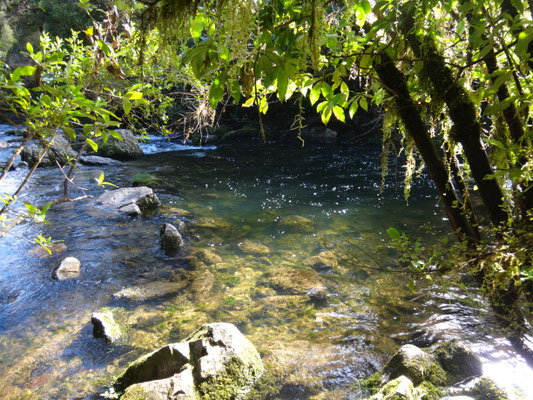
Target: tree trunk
[395,83]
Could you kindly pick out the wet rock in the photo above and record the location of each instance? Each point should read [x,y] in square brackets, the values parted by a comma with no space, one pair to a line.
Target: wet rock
[143,197]
[98,161]
[104,326]
[297,224]
[22,164]
[202,283]
[180,225]
[179,386]
[208,257]
[401,388]
[240,134]
[415,364]
[126,149]
[325,259]
[215,362]
[150,290]
[209,139]
[293,281]
[171,240]
[146,179]
[55,248]
[5,145]
[254,248]
[69,268]
[60,150]
[457,360]
[131,210]
[90,175]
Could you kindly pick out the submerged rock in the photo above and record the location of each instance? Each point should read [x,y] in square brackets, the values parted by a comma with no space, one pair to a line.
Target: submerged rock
[54,248]
[208,257]
[293,281]
[323,259]
[297,224]
[254,248]
[146,179]
[215,362]
[128,200]
[126,149]
[104,326]
[202,283]
[69,268]
[171,240]
[150,290]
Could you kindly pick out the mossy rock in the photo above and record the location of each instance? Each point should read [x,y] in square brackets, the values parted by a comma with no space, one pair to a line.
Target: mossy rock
[457,360]
[324,258]
[293,281]
[487,389]
[146,179]
[401,388]
[254,248]
[208,257]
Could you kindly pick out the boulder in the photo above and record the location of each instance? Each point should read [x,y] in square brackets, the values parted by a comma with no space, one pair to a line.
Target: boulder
[202,283]
[104,326]
[487,389]
[126,149]
[60,150]
[171,240]
[457,360]
[122,200]
[69,268]
[254,248]
[215,362]
[290,281]
[415,364]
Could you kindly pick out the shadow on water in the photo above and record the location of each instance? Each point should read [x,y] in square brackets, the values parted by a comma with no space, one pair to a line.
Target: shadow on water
[259,209]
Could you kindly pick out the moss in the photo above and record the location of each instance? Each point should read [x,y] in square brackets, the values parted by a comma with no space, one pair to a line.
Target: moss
[374,383]
[487,389]
[136,393]
[146,179]
[427,391]
[229,384]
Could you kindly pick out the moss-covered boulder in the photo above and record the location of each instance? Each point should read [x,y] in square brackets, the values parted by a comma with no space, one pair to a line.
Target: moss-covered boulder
[215,363]
[208,257]
[487,389]
[146,179]
[457,360]
[324,259]
[105,326]
[125,149]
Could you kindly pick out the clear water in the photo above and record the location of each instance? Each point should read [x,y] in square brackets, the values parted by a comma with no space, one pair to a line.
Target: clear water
[313,350]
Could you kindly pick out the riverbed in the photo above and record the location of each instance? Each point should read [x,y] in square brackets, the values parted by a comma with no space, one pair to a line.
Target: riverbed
[293,204]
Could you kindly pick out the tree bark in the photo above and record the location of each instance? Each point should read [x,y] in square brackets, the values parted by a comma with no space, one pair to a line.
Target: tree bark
[396,84]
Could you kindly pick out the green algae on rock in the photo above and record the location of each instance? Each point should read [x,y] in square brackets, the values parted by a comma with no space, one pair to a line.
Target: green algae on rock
[215,363]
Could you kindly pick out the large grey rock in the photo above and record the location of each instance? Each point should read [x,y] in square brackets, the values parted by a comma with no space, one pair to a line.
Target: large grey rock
[105,326]
[215,362]
[122,199]
[171,240]
[60,150]
[69,268]
[126,149]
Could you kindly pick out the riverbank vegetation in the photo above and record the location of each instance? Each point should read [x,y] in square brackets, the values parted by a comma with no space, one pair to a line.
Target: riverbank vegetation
[452,77]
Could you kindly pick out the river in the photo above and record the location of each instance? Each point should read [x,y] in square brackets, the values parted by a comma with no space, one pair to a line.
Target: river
[230,196]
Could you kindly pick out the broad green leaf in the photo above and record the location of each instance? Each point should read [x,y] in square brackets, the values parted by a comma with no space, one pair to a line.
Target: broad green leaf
[326,115]
[126,105]
[353,108]
[314,95]
[363,103]
[69,132]
[115,134]
[393,233]
[134,95]
[283,81]
[93,145]
[339,113]
[29,47]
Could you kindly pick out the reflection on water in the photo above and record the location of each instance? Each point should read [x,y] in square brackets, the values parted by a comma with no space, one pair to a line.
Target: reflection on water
[260,209]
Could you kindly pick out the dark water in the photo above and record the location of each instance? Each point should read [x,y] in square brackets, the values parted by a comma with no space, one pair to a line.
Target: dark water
[230,197]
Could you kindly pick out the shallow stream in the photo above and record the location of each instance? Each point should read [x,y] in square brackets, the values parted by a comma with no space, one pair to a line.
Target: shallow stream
[259,208]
